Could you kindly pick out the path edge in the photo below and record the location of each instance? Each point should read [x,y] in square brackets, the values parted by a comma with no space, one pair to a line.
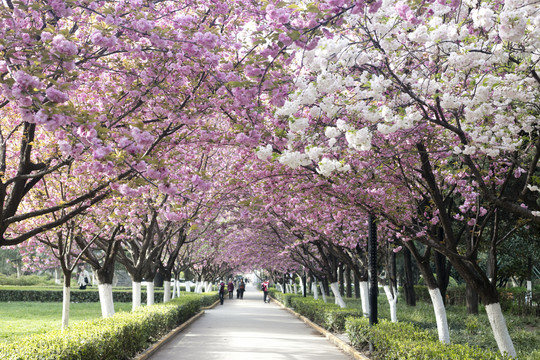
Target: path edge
[165,339]
[348,349]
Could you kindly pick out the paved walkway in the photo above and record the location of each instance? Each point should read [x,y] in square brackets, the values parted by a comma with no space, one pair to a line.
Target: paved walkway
[249,329]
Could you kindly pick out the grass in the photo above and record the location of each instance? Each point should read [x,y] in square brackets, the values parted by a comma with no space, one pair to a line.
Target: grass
[20,319]
[467,329]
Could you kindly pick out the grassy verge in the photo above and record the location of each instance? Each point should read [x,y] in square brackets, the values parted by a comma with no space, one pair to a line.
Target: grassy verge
[20,319]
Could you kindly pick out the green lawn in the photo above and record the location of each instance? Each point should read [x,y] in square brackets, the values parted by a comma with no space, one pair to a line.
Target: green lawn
[20,319]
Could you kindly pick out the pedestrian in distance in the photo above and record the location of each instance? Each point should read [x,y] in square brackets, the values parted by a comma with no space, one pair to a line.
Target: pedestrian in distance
[264,288]
[230,287]
[83,278]
[241,288]
[221,291]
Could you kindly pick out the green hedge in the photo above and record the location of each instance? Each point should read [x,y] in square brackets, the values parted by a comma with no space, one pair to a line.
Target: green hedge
[26,280]
[329,316]
[400,341]
[285,299]
[119,337]
[79,296]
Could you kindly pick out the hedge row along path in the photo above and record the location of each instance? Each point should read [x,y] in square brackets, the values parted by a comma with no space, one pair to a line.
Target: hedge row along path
[248,329]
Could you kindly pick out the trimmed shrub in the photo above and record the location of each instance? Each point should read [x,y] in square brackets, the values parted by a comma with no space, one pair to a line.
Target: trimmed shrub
[400,341]
[285,299]
[54,294]
[329,316]
[119,337]
[26,280]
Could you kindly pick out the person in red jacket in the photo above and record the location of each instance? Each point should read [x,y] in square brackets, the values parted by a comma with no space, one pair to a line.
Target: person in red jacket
[230,287]
[264,288]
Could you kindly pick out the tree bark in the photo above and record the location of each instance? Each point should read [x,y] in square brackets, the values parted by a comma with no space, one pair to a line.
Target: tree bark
[341,273]
[356,286]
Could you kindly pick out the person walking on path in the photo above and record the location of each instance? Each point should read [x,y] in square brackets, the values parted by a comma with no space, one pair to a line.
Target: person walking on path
[221,292]
[230,287]
[264,287]
[241,289]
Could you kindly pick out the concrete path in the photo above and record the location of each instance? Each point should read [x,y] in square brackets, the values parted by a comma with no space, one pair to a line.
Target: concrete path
[249,329]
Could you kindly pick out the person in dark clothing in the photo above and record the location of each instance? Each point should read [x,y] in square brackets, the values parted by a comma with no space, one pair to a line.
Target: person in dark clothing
[221,292]
[230,287]
[241,289]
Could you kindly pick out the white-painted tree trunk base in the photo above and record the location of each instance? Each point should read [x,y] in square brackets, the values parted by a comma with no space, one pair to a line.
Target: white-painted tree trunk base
[500,330]
[364,296]
[440,315]
[315,290]
[106,300]
[392,301]
[166,291]
[528,294]
[208,287]
[173,290]
[295,289]
[149,293]
[337,295]
[135,295]
[66,299]
[323,293]
[188,286]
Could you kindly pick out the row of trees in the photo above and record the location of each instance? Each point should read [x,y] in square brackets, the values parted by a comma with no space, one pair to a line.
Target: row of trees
[269,133]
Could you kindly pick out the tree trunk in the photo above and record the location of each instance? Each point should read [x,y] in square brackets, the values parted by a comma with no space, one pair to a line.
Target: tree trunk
[341,274]
[364,293]
[408,283]
[66,299]
[440,267]
[106,299]
[440,315]
[500,330]
[324,288]
[166,291]
[339,300]
[391,295]
[356,286]
[348,282]
[528,294]
[149,293]
[434,292]
[105,276]
[471,298]
[323,292]
[136,295]
[315,290]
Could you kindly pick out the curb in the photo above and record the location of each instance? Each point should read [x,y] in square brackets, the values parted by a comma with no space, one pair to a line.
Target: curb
[165,339]
[348,349]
